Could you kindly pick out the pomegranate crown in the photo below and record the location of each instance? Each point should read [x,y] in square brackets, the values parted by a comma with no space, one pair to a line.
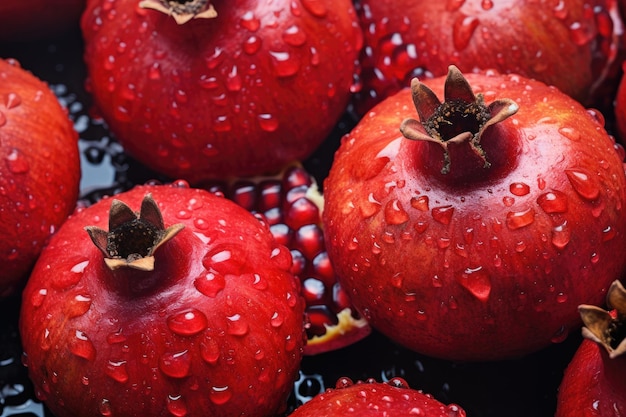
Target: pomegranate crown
[462,117]
[182,10]
[133,237]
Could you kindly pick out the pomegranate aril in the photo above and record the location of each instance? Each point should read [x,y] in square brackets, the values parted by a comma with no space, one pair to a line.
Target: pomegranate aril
[299,263]
[274,215]
[319,316]
[244,194]
[282,233]
[323,268]
[301,213]
[295,177]
[271,194]
[309,240]
[313,291]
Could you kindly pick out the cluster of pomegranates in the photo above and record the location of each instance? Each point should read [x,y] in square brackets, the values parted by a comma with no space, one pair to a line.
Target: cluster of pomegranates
[474,210]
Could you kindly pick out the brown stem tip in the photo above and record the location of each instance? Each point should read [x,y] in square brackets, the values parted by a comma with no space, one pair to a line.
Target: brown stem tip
[133,237]
[607,327]
[462,117]
[182,11]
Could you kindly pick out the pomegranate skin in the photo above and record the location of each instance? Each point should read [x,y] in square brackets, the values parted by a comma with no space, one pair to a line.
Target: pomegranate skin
[478,264]
[40,173]
[593,384]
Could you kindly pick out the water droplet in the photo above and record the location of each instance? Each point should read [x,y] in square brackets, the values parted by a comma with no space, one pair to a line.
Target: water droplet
[570,133]
[518,219]
[187,323]
[38,297]
[284,64]
[443,214]
[315,7]
[560,11]
[237,326]
[560,335]
[225,259]
[77,306]
[581,33]
[608,233]
[210,350]
[561,235]
[176,405]
[17,162]
[250,21]
[420,203]
[583,184]
[210,284]
[486,4]
[117,370]
[176,364]
[220,395]
[105,408]
[267,122]
[294,36]
[277,319]
[12,100]
[462,31]
[553,202]
[395,214]
[519,189]
[370,207]
[476,281]
[233,80]
[82,347]
[252,45]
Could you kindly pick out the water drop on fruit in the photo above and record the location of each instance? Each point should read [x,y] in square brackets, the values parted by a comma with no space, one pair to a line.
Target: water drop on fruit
[420,203]
[187,323]
[294,36]
[175,364]
[560,11]
[77,306]
[395,214]
[561,235]
[82,347]
[477,282]
[210,350]
[284,64]
[581,33]
[17,162]
[267,122]
[443,214]
[105,408]
[570,133]
[237,326]
[519,219]
[176,405]
[583,184]
[315,7]
[12,100]
[519,189]
[370,207]
[560,335]
[220,395]
[608,233]
[553,202]
[210,284]
[117,370]
[252,44]
[277,319]
[250,21]
[462,31]
[38,297]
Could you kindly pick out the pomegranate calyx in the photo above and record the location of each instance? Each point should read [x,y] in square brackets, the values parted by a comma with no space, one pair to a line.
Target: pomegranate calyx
[182,11]
[133,237]
[462,117]
[608,328]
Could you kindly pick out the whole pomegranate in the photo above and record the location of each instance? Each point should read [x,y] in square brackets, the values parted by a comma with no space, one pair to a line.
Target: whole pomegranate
[540,39]
[474,233]
[27,20]
[374,399]
[202,90]
[593,383]
[186,309]
[40,174]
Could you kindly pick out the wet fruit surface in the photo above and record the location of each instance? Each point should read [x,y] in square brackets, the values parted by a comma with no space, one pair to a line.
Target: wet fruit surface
[517,388]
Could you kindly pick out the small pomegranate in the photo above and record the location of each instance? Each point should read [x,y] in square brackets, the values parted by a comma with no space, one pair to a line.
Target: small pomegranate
[39,174]
[187,308]
[475,232]
[593,383]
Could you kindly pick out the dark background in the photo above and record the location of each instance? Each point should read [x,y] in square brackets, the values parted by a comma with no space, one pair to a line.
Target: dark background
[524,387]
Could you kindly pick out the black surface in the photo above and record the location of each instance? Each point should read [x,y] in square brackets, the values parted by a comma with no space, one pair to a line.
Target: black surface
[525,387]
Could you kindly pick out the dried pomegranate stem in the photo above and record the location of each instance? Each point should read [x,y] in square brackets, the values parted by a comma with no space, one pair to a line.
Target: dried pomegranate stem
[133,237]
[182,11]
[462,117]
[607,328]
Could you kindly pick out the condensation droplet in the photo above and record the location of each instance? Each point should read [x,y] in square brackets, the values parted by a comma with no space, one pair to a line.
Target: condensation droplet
[443,214]
[519,219]
[370,207]
[294,36]
[17,162]
[519,189]
[187,323]
[477,282]
[176,405]
[462,31]
[117,370]
[267,122]
[395,214]
[175,364]
[315,7]
[284,64]
[105,408]
[553,202]
[581,181]
[561,235]
[237,326]
[82,347]
[210,284]
[220,395]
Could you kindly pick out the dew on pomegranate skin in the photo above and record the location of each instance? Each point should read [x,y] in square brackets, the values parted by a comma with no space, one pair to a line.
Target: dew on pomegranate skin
[284,64]
[249,21]
[187,323]
[463,29]
[77,306]
[570,133]
[252,44]
[117,370]
[267,122]
[369,207]
[315,7]
[175,364]
[443,214]
[17,162]
[477,282]
[210,350]
[519,189]
[560,335]
[581,33]
[581,181]
[553,202]
[395,213]
[237,325]
[38,297]
[561,235]
[294,36]
[176,405]
[220,395]
[82,347]
[518,219]
[105,408]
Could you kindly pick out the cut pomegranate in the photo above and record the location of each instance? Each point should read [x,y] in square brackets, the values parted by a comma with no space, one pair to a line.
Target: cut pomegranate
[291,205]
